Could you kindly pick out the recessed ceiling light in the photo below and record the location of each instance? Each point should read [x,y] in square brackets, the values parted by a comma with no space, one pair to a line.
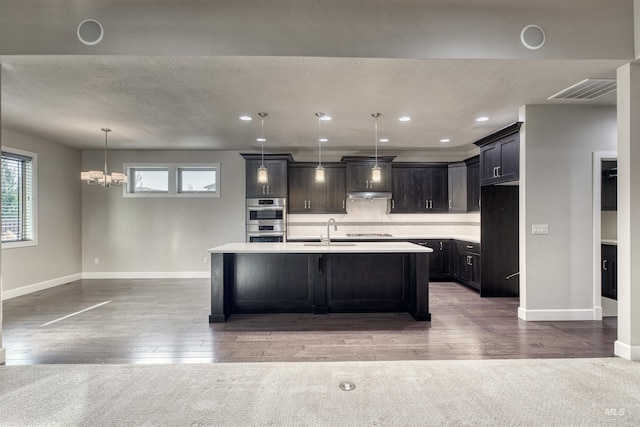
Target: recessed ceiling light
[323,140]
[245,118]
[404,118]
[261,139]
[445,140]
[325,118]
[482,119]
[384,139]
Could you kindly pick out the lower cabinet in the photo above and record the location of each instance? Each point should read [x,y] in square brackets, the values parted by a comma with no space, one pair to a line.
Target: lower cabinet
[439,264]
[609,269]
[465,263]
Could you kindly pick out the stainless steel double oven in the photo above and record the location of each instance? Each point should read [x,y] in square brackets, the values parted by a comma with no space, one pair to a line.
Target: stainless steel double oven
[267,220]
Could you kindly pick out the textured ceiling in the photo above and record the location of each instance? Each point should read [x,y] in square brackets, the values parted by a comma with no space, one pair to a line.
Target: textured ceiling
[65,92]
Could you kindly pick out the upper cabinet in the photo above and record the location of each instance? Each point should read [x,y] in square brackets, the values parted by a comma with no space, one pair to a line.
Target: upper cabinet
[419,188]
[500,156]
[308,196]
[609,189]
[276,165]
[457,187]
[359,174]
[473,184]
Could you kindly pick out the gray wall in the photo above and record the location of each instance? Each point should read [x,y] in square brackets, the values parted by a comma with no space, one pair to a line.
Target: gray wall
[58,253]
[556,160]
[157,235]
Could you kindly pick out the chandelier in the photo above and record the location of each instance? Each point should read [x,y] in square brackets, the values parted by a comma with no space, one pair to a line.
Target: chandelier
[102,178]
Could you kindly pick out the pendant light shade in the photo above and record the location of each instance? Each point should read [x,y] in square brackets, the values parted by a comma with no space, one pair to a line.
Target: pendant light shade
[376,175]
[263,173]
[319,168]
[102,177]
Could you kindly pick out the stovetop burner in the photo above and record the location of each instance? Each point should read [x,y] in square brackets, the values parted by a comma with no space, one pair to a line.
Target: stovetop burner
[369,235]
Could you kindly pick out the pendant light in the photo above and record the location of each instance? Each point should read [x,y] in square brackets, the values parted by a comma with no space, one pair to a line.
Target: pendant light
[102,178]
[376,175]
[263,177]
[319,169]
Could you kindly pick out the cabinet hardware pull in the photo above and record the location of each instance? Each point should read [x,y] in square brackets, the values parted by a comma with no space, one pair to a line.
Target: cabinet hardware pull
[449,204]
[263,189]
[393,204]
[495,171]
[426,204]
[498,169]
[431,204]
[469,246]
[268,192]
[440,245]
[604,265]
[320,266]
[309,204]
[367,184]
[305,204]
[343,204]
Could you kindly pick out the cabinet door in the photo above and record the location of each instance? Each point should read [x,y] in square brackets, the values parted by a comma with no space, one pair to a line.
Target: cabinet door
[336,191]
[408,189]
[277,174]
[317,199]
[474,271]
[473,187]
[359,176]
[438,259]
[509,167]
[489,161]
[298,190]
[609,196]
[438,189]
[457,187]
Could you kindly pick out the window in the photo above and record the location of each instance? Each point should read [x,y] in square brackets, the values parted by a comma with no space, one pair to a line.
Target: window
[197,180]
[18,198]
[148,180]
[173,180]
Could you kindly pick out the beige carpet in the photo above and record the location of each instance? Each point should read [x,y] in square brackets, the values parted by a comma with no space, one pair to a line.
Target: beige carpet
[413,393]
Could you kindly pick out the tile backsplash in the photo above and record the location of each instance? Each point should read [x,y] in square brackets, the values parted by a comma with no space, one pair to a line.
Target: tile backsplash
[372,216]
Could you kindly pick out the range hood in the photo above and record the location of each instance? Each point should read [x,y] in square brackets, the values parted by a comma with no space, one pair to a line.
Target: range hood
[368,195]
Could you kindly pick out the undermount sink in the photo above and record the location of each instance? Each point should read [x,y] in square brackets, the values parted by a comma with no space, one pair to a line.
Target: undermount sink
[332,244]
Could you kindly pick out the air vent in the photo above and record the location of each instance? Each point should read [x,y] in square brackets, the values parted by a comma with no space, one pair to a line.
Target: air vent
[586,90]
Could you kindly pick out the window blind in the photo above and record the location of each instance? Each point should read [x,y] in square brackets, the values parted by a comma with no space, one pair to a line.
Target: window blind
[17,197]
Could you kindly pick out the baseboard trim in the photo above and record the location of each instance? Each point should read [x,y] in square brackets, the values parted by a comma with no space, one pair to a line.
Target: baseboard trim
[556,315]
[147,275]
[3,359]
[626,351]
[36,287]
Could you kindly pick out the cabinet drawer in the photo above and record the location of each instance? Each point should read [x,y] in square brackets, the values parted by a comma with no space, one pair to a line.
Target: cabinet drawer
[470,247]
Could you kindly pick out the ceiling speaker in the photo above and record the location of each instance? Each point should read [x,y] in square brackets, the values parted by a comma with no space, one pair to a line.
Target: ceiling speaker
[90,32]
[532,37]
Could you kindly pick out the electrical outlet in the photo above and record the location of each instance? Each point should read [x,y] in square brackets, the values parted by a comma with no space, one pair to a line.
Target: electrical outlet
[205,259]
[96,260]
[539,228]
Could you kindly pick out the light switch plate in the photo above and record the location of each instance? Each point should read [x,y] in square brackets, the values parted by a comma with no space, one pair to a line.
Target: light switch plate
[540,229]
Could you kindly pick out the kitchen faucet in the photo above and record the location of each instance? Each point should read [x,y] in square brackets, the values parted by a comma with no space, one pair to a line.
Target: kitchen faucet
[335,228]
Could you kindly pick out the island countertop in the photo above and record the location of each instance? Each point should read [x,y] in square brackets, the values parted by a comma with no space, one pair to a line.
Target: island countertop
[320,248]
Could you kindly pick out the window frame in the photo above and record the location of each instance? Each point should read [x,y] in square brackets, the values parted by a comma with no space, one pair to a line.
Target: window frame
[173,180]
[34,198]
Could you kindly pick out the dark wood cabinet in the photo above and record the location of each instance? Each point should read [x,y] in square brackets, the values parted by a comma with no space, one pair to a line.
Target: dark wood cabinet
[609,189]
[465,263]
[439,264]
[308,196]
[419,188]
[609,269]
[457,187]
[500,241]
[276,165]
[473,184]
[359,174]
[500,156]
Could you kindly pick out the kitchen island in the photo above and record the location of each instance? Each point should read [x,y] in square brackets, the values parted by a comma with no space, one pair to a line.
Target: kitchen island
[295,277]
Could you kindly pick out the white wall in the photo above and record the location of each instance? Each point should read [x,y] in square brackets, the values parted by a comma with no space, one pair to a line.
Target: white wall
[56,258]
[135,236]
[556,175]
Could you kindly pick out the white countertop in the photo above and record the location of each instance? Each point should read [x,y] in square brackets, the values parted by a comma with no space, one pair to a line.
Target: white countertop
[472,239]
[336,247]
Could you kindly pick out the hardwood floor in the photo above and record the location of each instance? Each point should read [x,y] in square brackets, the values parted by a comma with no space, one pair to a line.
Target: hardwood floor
[166,321]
